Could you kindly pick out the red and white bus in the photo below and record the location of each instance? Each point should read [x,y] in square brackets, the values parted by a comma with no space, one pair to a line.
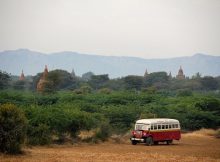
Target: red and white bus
[153,131]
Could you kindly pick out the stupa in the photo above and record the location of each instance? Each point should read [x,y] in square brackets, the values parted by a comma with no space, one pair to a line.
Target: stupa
[22,78]
[180,74]
[43,80]
[146,73]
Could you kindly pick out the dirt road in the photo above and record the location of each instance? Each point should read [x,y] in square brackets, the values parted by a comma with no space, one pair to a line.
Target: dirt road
[189,149]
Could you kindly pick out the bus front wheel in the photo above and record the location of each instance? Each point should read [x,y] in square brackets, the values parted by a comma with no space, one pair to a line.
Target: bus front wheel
[149,141]
[133,142]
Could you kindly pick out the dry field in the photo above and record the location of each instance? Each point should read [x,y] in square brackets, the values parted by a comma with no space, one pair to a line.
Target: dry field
[191,148]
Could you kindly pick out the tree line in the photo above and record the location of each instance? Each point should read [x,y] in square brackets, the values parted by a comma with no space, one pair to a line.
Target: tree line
[63,80]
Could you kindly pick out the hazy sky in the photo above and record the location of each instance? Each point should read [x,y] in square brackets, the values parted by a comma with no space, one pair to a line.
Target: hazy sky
[141,28]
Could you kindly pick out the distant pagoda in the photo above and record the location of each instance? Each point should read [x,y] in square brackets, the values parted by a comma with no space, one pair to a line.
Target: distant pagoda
[180,74]
[22,78]
[170,75]
[43,80]
[73,73]
[146,73]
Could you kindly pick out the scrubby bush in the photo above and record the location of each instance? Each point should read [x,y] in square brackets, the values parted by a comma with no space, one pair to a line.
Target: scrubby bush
[86,89]
[12,128]
[63,115]
[81,121]
[105,91]
[184,92]
[46,99]
[39,135]
[44,122]
[103,132]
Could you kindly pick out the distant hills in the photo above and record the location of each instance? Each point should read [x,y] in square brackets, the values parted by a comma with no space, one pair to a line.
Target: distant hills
[31,62]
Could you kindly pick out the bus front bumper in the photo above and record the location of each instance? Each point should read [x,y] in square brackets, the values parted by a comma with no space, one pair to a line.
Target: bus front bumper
[137,139]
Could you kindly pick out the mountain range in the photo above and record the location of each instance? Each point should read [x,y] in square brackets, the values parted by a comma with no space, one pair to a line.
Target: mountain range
[31,62]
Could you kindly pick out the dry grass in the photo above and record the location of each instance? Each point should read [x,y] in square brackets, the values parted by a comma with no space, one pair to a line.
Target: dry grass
[190,148]
[83,135]
[204,132]
[120,139]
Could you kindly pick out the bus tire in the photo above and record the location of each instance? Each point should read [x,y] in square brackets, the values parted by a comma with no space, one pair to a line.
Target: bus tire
[149,141]
[156,142]
[169,142]
[133,142]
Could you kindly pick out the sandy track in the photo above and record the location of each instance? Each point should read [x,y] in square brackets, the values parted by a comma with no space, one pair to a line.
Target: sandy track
[189,149]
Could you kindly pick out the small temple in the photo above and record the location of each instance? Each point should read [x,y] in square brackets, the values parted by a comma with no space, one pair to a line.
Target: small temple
[73,73]
[170,75]
[43,80]
[180,74]
[146,73]
[22,78]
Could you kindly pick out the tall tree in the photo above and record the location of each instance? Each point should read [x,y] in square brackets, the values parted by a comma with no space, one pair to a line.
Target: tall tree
[4,80]
[209,83]
[157,79]
[61,79]
[133,82]
[98,81]
[87,76]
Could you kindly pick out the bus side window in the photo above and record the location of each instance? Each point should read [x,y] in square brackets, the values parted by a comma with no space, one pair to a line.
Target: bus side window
[166,126]
[151,127]
[176,125]
[170,126]
[173,125]
[155,127]
[163,126]
[159,126]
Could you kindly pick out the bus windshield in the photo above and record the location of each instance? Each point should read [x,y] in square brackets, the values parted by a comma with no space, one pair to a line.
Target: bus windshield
[141,126]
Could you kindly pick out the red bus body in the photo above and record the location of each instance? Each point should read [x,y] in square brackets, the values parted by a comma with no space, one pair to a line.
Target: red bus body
[152,131]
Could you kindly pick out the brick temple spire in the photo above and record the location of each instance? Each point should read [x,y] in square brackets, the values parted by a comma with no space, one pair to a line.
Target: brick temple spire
[146,73]
[22,76]
[43,80]
[45,72]
[170,75]
[180,74]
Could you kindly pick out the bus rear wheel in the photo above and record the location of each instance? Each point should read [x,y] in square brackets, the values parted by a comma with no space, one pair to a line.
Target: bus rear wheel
[169,142]
[149,141]
[156,142]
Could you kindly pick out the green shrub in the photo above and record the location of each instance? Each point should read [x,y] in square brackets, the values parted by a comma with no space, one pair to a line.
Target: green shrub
[12,128]
[184,92]
[105,91]
[45,122]
[80,121]
[39,135]
[103,132]
[86,89]
[46,99]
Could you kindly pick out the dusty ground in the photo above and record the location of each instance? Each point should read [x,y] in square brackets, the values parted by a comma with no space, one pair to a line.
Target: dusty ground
[190,148]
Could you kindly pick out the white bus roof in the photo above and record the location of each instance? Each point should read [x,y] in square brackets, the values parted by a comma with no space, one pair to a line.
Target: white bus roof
[156,121]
